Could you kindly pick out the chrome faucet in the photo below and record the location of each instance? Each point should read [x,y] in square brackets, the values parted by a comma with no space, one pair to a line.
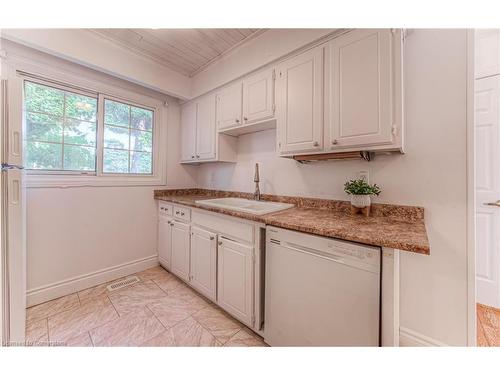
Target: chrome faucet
[256,194]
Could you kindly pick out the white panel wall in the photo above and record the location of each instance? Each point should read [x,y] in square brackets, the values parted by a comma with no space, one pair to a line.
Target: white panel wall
[431,174]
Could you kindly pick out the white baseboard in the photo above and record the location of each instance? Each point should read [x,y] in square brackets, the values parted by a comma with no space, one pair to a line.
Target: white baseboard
[408,337]
[62,288]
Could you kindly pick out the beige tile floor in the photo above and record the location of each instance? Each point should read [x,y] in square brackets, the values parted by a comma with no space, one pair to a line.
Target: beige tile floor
[160,310]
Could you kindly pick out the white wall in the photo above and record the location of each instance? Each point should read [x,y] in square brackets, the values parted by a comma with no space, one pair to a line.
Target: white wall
[77,232]
[431,174]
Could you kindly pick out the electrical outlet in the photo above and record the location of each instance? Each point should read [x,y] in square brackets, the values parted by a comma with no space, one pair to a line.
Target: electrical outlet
[364,175]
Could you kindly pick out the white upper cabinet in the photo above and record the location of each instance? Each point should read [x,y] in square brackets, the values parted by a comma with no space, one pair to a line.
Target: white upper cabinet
[299,103]
[258,97]
[204,262]
[363,90]
[205,128]
[188,131]
[229,106]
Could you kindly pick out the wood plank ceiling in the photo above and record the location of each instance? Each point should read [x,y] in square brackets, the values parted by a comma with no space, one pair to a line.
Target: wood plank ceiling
[186,51]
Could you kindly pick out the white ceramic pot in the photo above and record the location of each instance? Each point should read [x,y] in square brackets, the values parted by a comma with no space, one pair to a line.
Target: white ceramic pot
[360,201]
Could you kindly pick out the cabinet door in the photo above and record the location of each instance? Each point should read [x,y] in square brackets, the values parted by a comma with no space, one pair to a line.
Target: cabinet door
[180,250]
[165,241]
[229,106]
[258,97]
[204,262]
[188,132]
[359,93]
[235,279]
[205,128]
[299,103]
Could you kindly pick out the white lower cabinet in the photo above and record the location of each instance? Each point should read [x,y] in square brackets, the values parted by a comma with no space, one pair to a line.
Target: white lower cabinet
[180,249]
[165,241]
[204,262]
[235,279]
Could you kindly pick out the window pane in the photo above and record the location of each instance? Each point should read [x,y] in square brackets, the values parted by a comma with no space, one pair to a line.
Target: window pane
[41,127]
[115,137]
[41,155]
[142,118]
[116,113]
[115,161]
[141,141]
[80,132]
[81,107]
[39,98]
[79,158]
[140,162]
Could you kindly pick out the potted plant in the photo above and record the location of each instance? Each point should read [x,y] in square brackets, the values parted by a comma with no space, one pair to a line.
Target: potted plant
[360,192]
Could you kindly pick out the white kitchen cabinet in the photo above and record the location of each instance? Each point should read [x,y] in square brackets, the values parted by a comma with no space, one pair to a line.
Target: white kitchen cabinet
[204,262]
[363,91]
[205,128]
[299,103]
[258,97]
[229,106]
[180,249]
[165,241]
[235,279]
[487,52]
[188,131]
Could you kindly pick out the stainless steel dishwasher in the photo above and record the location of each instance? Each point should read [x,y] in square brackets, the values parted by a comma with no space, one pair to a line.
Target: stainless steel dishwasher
[320,291]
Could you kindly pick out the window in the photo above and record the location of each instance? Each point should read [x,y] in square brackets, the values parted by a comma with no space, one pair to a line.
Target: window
[128,138]
[64,133]
[61,129]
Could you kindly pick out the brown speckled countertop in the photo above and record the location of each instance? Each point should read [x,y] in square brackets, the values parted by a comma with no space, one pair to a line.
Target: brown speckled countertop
[398,227]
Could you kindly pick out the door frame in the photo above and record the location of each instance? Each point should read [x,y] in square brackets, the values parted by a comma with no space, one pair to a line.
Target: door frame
[471,193]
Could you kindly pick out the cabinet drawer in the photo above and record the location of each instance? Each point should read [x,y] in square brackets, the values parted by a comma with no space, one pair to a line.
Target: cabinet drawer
[223,225]
[165,209]
[182,213]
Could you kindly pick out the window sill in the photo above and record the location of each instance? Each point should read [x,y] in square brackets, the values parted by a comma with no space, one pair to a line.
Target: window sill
[64,181]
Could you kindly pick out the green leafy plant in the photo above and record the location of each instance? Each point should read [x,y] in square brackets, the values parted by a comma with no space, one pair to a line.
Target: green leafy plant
[361,187]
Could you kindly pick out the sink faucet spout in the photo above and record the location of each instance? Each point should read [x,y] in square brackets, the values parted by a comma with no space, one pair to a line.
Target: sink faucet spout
[256,179]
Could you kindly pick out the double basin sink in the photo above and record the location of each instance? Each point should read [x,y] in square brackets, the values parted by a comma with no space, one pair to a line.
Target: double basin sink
[245,205]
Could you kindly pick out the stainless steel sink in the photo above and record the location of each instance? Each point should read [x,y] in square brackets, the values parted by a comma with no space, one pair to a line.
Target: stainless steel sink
[245,205]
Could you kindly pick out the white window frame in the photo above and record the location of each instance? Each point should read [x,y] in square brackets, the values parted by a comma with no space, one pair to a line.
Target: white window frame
[100,137]
[63,81]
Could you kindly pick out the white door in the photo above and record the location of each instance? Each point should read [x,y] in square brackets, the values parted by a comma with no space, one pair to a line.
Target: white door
[235,279]
[487,162]
[12,219]
[205,128]
[204,262]
[487,54]
[165,241]
[299,105]
[229,106]
[258,97]
[188,132]
[359,98]
[180,250]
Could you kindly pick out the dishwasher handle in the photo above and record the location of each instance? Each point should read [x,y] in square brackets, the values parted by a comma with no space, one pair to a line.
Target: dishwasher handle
[317,253]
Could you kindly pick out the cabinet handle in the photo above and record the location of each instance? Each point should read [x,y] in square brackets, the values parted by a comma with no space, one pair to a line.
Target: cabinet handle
[212,238]
[220,243]
[316,144]
[171,224]
[197,156]
[182,213]
[334,142]
[244,118]
[192,156]
[237,121]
